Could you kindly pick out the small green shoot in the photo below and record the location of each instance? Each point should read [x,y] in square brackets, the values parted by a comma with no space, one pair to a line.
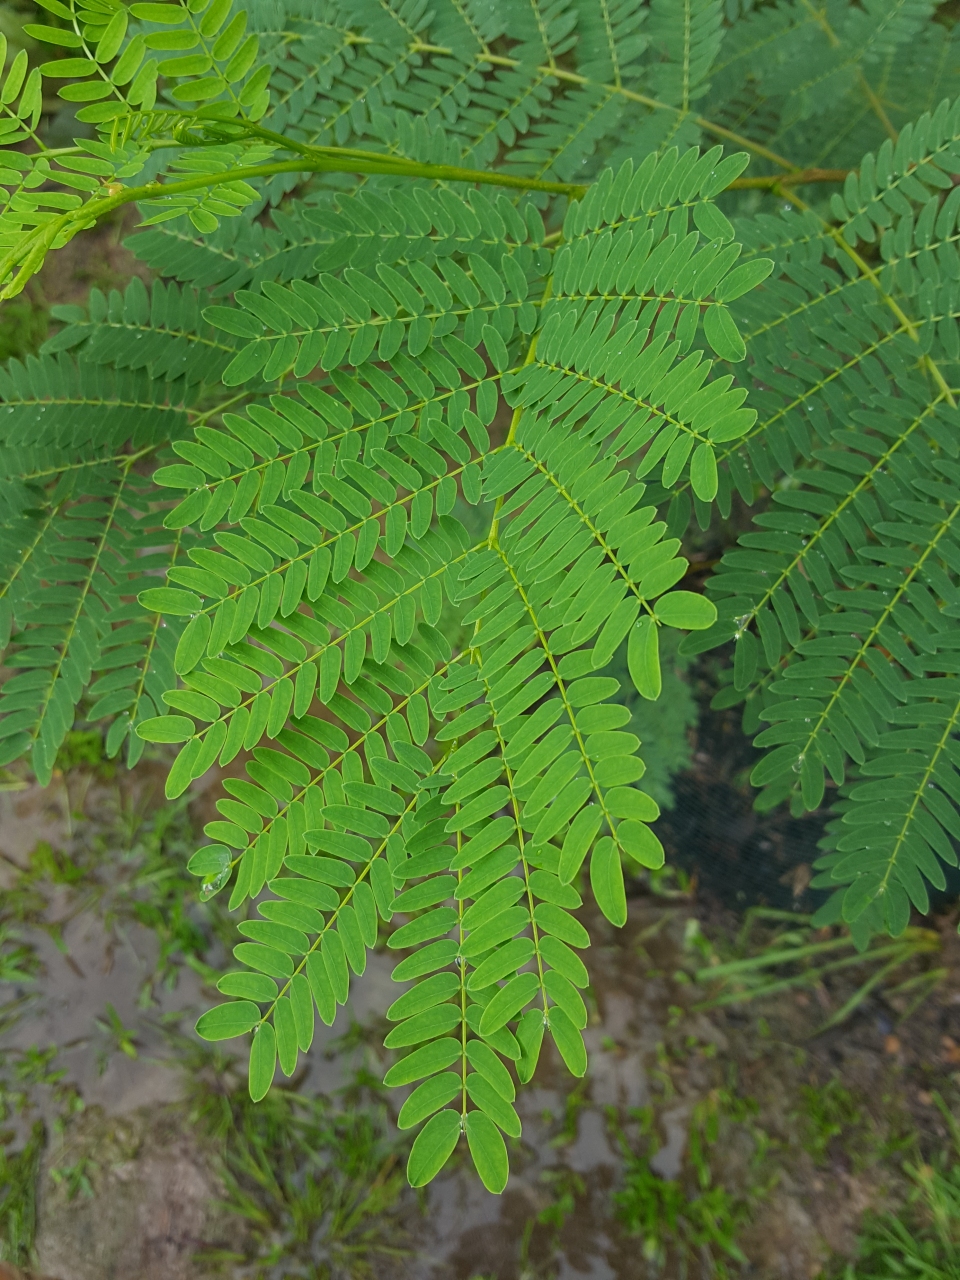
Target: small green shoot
[829,1111]
[922,1241]
[117,1037]
[689,1217]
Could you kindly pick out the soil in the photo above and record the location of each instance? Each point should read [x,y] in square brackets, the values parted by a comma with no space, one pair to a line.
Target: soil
[93,260]
[149,1205]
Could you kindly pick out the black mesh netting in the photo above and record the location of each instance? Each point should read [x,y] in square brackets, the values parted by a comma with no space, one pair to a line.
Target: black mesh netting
[738,856]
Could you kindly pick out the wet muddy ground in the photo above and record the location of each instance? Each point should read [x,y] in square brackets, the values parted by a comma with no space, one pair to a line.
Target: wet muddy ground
[734,1117]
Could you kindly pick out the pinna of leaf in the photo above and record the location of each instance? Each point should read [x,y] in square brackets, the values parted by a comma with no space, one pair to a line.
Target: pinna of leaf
[500,777]
[477,844]
[529,771]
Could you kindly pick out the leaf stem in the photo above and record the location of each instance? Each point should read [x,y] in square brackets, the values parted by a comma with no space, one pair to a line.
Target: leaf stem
[30,252]
[798,178]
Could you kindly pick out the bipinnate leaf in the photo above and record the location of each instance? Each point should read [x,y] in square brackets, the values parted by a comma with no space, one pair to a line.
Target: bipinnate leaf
[359,501]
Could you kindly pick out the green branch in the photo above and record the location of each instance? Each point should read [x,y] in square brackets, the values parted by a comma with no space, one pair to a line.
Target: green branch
[30,252]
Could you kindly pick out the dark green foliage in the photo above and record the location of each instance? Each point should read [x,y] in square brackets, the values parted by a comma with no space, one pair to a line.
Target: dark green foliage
[841,602]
